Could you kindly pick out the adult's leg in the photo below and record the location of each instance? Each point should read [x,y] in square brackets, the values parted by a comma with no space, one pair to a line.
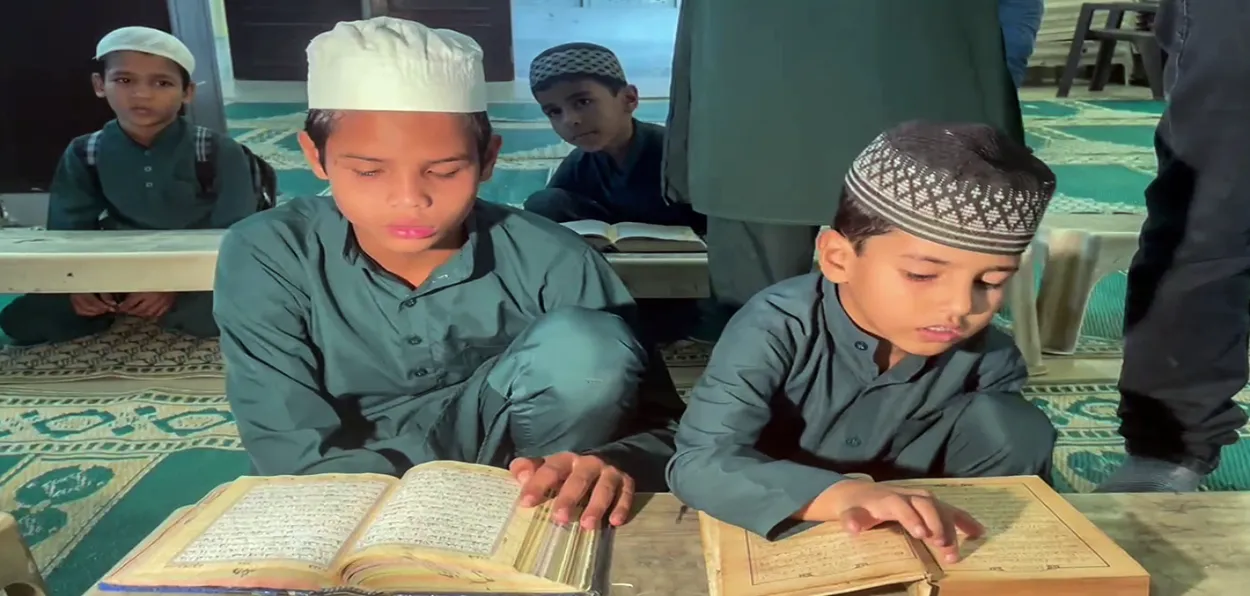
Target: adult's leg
[43,318]
[560,205]
[746,257]
[1186,316]
[192,314]
[981,434]
[568,383]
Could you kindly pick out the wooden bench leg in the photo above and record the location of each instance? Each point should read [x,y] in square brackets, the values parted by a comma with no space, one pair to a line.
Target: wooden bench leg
[1106,53]
[1083,24]
[19,576]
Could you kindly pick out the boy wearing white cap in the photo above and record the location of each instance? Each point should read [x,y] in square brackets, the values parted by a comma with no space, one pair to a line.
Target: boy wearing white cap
[406,321]
[143,170]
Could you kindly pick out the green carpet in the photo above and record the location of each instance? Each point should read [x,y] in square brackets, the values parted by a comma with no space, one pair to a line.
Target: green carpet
[88,477]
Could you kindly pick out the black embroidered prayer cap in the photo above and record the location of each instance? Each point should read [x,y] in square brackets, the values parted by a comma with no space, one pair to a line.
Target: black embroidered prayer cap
[967,186]
[575,60]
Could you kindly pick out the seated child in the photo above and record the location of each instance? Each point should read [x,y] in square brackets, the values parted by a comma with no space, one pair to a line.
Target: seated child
[405,321]
[139,172]
[884,362]
[613,175]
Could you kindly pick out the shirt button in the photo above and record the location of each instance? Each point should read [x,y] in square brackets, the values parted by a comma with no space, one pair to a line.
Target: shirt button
[420,372]
[149,185]
[416,341]
[147,168]
[861,346]
[411,302]
[853,441]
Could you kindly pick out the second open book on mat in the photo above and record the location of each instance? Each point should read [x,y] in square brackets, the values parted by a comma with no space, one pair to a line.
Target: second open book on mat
[444,528]
[1036,544]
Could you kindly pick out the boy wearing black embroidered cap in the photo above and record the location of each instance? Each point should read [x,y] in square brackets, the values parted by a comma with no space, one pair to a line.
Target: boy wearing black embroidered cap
[613,174]
[147,169]
[884,362]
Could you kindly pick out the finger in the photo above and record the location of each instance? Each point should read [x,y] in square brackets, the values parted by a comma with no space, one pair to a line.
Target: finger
[545,480]
[572,491]
[523,467]
[900,509]
[940,528]
[108,299]
[601,499]
[624,502]
[964,522]
[858,519]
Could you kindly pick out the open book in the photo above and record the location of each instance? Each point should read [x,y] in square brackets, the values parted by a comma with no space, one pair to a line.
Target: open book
[444,528]
[1036,544]
[637,237]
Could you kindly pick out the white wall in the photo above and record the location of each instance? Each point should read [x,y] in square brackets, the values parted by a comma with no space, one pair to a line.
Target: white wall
[640,32]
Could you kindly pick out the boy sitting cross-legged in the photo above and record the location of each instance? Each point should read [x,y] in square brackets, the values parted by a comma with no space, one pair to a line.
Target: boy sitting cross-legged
[884,362]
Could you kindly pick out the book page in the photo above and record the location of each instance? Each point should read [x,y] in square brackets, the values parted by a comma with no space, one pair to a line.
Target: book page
[1030,531]
[293,522]
[258,529]
[461,510]
[590,228]
[824,557]
[630,235]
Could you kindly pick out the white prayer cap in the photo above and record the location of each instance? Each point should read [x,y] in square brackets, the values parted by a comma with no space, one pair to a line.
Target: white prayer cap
[391,64]
[148,41]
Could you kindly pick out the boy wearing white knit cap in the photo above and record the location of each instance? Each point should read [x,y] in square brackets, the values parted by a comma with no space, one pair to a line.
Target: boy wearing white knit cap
[404,320]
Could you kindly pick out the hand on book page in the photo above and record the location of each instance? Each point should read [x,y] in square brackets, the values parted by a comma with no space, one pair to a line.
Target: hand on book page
[572,478]
[863,505]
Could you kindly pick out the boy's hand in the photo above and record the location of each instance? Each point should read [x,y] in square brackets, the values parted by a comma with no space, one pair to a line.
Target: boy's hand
[865,505]
[147,305]
[92,305]
[574,476]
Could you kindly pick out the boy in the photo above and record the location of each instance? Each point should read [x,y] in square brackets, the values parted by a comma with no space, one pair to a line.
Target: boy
[141,173]
[613,174]
[883,363]
[405,321]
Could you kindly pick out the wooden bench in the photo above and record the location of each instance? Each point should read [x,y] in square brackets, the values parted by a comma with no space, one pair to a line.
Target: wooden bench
[1192,544]
[38,261]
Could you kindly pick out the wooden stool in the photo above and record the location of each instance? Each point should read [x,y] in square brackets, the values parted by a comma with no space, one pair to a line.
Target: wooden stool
[19,576]
[1143,41]
[1082,248]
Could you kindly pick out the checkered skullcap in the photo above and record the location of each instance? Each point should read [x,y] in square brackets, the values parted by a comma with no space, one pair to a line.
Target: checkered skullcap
[574,59]
[967,186]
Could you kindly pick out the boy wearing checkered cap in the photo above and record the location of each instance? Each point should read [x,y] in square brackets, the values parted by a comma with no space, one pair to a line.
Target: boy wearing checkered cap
[884,362]
[613,172]
[143,170]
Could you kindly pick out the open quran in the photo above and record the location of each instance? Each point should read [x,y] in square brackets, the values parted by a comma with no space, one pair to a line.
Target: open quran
[444,528]
[637,237]
[1036,544]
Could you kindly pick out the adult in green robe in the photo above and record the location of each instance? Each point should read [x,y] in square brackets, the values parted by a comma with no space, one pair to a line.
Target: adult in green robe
[771,101]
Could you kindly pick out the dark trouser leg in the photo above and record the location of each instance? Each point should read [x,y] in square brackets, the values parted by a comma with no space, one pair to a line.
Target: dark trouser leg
[1187,314]
[560,206]
[43,318]
[192,314]
[744,258]
[982,434]
[567,383]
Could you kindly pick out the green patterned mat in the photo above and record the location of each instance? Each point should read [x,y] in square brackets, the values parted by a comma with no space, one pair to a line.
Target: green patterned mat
[89,476]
